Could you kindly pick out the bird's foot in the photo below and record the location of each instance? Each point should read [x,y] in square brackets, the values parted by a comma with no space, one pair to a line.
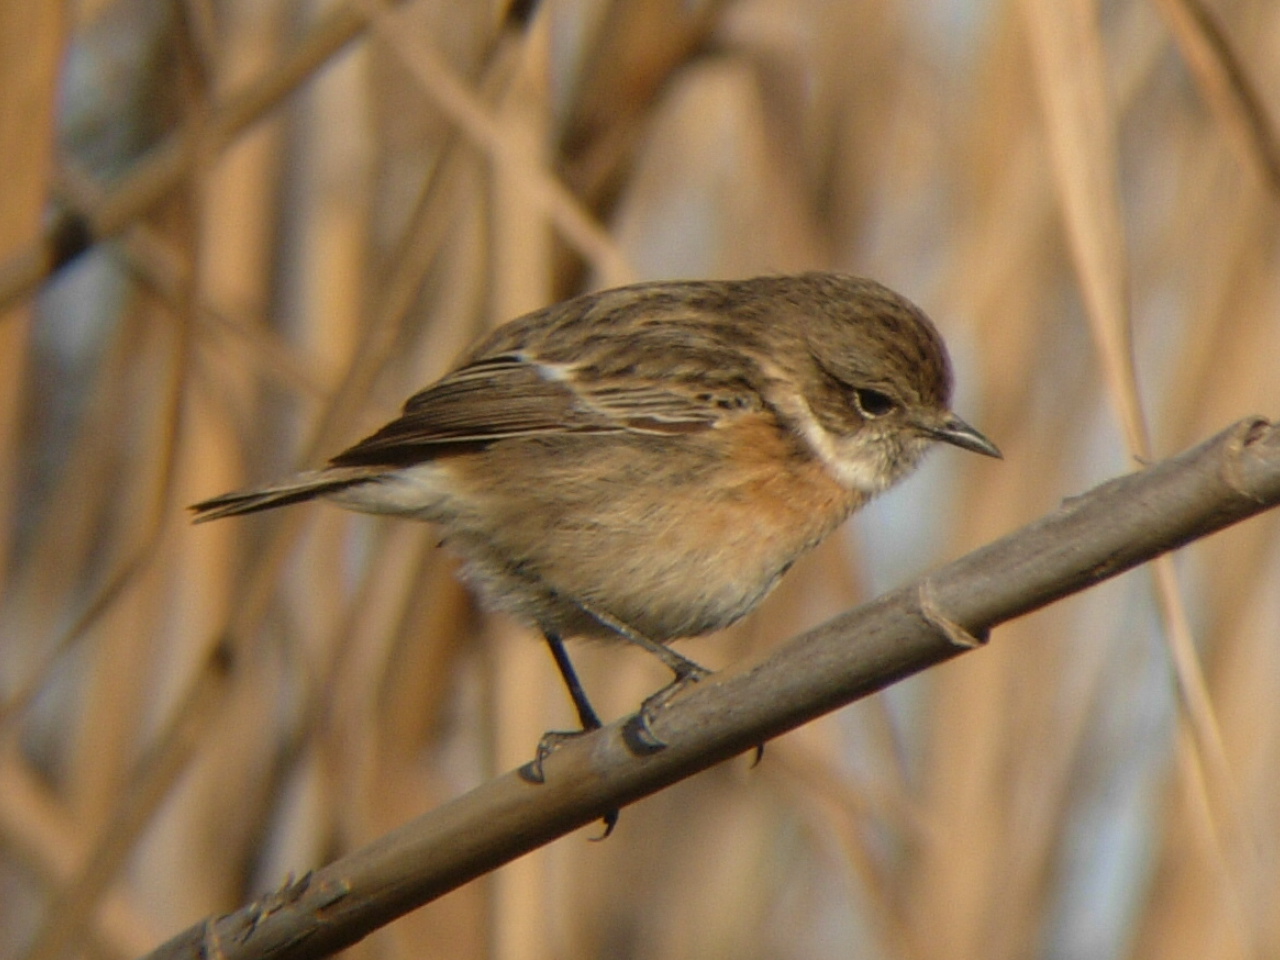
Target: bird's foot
[553,740]
[638,731]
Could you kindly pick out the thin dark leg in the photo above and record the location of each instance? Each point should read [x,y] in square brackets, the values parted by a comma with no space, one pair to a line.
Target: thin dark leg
[638,731]
[587,715]
[686,670]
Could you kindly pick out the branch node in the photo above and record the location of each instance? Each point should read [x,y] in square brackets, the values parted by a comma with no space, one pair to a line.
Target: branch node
[1245,433]
[955,634]
[210,942]
[289,893]
[331,892]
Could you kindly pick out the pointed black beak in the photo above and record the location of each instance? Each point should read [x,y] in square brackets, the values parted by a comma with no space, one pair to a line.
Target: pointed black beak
[956,432]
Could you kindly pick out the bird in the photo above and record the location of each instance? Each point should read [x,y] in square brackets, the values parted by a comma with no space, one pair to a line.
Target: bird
[645,463]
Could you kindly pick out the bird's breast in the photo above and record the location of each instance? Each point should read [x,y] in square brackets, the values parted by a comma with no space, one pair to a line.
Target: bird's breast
[674,536]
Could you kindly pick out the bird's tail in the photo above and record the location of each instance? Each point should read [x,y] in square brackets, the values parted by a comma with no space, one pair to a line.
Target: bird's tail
[299,488]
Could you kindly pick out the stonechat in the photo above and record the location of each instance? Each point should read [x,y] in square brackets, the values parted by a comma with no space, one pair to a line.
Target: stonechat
[645,463]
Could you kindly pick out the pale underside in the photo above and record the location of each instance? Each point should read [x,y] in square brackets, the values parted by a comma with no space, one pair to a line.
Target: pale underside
[672,512]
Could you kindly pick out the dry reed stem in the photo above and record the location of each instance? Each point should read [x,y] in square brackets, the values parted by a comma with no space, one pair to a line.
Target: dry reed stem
[31,42]
[460,105]
[156,775]
[1068,49]
[161,172]
[1227,85]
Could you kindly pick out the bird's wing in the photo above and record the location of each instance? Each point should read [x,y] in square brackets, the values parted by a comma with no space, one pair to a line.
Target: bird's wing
[501,397]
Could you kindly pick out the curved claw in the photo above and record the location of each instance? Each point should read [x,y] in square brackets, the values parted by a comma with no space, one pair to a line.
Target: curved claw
[551,741]
[638,731]
[610,820]
[639,736]
[532,771]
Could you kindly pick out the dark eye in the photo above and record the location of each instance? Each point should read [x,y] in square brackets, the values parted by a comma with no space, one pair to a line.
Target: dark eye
[872,403]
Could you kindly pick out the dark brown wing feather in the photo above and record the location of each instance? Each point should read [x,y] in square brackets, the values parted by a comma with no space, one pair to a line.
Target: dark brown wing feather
[498,398]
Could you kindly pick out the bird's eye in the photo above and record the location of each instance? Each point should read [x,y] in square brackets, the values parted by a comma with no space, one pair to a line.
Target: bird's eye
[872,403]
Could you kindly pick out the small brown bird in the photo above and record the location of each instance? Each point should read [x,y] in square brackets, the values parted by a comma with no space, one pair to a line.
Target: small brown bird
[645,463]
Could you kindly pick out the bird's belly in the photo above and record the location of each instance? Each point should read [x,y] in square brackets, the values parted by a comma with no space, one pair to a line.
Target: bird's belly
[670,547]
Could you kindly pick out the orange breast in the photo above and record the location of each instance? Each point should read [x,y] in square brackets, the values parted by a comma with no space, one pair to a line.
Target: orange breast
[675,536]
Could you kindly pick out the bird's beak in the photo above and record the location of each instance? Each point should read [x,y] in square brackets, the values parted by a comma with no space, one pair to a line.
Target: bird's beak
[955,431]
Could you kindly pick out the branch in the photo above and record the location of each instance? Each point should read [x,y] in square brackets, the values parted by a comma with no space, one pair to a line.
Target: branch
[1090,538]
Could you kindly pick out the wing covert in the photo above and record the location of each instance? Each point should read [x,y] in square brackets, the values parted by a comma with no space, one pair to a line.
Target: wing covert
[507,396]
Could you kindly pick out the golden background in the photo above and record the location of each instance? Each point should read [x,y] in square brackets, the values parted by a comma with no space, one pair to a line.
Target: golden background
[1084,197]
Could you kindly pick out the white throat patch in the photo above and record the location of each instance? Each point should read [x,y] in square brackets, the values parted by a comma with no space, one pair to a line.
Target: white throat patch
[862,461]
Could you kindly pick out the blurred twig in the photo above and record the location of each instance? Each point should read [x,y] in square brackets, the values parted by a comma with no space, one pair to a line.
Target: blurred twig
[69,234]
[473,117]
[1081,123]
[156,775]
[1089,539]
[1226,83]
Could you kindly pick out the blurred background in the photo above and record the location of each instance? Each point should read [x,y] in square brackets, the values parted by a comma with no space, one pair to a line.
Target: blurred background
[313,207]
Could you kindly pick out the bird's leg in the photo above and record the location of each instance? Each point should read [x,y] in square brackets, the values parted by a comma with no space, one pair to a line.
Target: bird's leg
[587,716]
[638,732]
[686,670]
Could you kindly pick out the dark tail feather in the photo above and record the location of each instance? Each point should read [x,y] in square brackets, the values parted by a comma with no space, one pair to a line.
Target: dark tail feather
[305,486]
